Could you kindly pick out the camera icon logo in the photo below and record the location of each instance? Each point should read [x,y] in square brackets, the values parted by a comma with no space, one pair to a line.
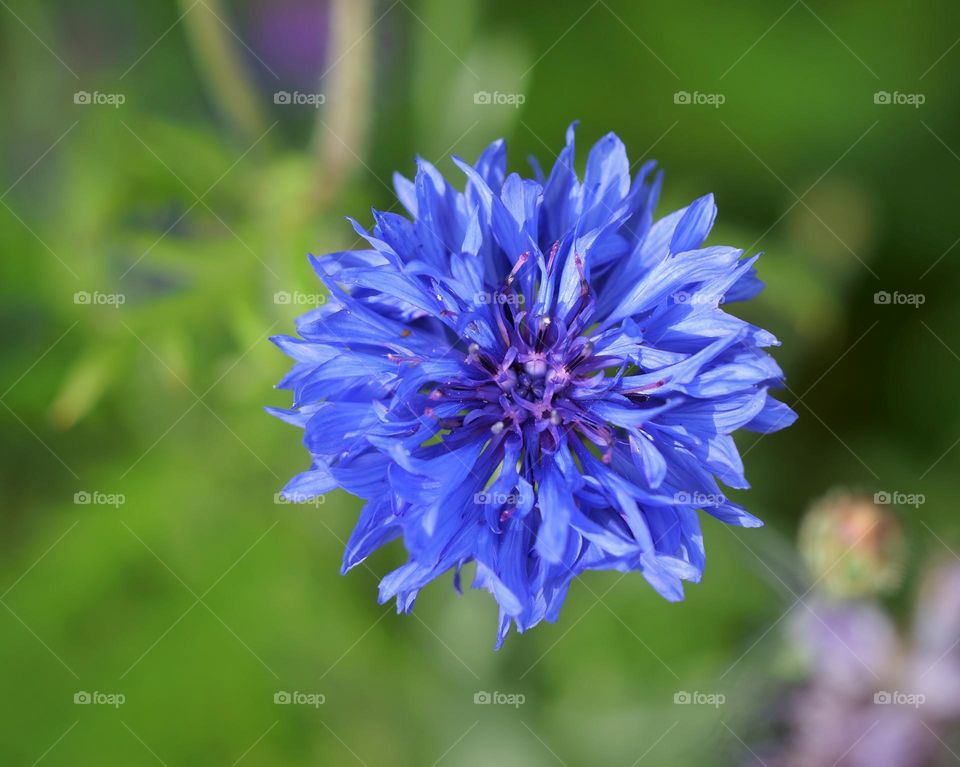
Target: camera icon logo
[882,698]
[881,97]
[882,498]
[81,297]
[482,97]
[82,97]
[82,498]
[282,698]
[681,698]
[881,297]
[482,698]
[82,698]
[682,97]
[282,97]
[282,297]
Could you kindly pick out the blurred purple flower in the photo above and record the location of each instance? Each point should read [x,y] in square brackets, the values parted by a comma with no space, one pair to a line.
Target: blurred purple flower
[875,699]
[290,37]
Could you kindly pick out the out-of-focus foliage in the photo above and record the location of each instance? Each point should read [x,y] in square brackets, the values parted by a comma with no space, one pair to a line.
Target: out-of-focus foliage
[198,597]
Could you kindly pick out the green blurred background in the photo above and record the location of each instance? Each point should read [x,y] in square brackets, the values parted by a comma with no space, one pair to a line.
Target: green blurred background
[184,587]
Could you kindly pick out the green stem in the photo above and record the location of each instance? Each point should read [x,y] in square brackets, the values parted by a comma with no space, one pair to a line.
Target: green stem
[341,132]
[221,65]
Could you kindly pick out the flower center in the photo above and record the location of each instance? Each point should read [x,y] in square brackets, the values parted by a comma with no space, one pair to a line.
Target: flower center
[540,375]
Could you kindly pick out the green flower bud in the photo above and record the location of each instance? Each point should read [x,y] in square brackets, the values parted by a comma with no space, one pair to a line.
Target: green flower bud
[852,546]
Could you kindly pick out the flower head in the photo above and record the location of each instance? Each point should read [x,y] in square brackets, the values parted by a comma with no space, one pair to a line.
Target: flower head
[853,546]
[535,376]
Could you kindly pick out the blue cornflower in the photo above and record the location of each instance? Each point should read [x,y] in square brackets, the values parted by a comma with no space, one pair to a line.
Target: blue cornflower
[535,376]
